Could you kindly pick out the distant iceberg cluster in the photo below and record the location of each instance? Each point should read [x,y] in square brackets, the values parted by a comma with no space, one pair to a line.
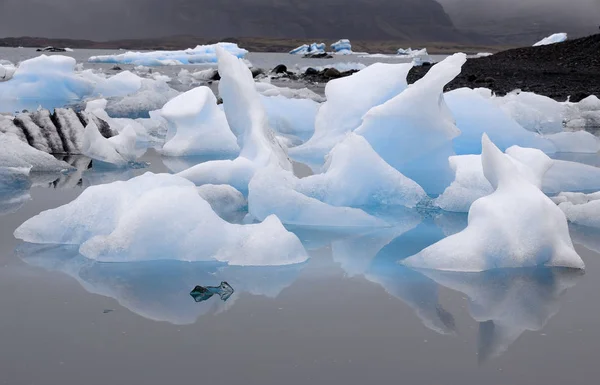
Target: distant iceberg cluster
[305,49]
[552,39]
[199,55]
[256,165]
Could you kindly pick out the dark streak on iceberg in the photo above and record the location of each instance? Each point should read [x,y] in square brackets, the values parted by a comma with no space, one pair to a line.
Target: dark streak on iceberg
[60,132]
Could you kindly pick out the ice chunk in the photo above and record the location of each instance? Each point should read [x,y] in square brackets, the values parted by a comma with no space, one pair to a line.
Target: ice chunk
[412,53]
[580,141]
[552,39]
[581,209]
[200,125]
[44,78]
[571,176]
[348,100]
[268,89]
[122,84]
[118,151]
[200,54]
[224,199]
[18,154]
[356,176]
[413,132]
[516,226]
[134,221]
[342,47]
[7,70]
[291,116]
[271,192]
[475,115]
[248,120]
[584,115]
[309,49]
[152,95]
[533,112]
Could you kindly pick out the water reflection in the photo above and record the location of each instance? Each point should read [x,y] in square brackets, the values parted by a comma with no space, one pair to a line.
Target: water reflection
[508,302]
[160,290]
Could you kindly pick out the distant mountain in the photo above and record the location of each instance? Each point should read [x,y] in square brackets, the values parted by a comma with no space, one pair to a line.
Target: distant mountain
[405,20]
[524,21]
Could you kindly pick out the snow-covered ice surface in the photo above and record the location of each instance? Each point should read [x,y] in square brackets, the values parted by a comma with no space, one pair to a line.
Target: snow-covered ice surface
[516,226]
[200,54]
[552,39]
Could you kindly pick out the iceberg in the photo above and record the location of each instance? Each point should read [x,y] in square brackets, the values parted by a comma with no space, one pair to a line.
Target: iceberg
[348,100]
[249,122]
[583,115]
[15,153]
[268,89]
[7,70]
[117,151]
[200,126]
[225,200]
[516,226]
[295,117]
[342,47]
[415,143]
[410,53]
[354,176]
[199,55]
[581,209]
[309,49]
[475,115]
[579,141]
[133,221]
[533,112]
[552,39]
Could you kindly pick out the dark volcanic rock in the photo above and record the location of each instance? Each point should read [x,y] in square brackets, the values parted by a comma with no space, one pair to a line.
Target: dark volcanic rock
[280,69]
[557,71]
[257,72]
[332,73]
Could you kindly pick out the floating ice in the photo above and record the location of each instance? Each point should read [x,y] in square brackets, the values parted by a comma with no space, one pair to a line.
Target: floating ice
[410,53]
[354,176]
[475,115]
[249,122]
[533,112]
[294,117]
[306,49]
[516,226]
[118,150]
[200,125]
[470,183]
[413,132]
[580,141]
[552,39]
[7,70]
[348,100]
[267,89]
[15,153]
[581,209]
[224,199]
[584,115]
[342,47]
[134,221]
[200,54]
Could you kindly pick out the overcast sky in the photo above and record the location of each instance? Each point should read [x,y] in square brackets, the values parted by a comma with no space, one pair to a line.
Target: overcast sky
[112,19]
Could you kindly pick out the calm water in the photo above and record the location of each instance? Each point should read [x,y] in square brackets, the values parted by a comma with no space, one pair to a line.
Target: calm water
[350,315]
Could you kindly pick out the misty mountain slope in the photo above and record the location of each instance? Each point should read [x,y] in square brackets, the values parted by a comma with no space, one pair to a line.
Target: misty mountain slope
[419,20]
[524,21]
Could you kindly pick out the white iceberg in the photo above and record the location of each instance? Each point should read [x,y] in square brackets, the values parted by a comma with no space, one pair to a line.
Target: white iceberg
[295,117]
[249,122]
[552,39]
[583,115]
[579,141]
[118,150]
[533,112]
[354,176]
[348,100]
[581,209]
[412,53]
[199,55]
[516,226]
[7,70]
[413,132]
[159,217]
[200,126]
[475,115]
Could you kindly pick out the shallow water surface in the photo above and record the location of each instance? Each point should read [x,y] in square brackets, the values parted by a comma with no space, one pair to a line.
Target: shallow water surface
[350,315]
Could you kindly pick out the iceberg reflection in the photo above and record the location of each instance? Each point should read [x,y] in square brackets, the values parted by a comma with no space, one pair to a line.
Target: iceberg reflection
[508,302]
[160,290]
